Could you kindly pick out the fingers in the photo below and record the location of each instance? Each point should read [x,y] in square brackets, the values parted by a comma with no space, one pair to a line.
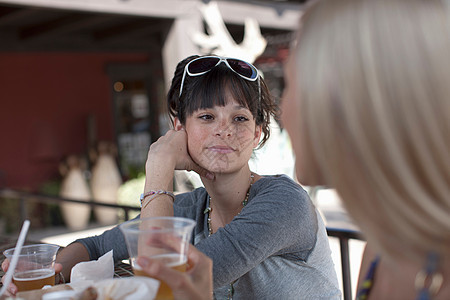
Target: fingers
[196,283]
[5,265]
[174,145]
[59,277]
[195,256]
[201,272]
[181,284]
[158,270]
[165,241]
[58,267]
[11,290]
[153,267]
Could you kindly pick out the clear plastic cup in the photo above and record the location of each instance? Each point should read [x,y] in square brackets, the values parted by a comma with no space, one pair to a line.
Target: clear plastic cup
[160,238]
[35,267]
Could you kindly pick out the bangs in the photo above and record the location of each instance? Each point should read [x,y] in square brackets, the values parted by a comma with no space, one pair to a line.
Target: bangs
[217,88]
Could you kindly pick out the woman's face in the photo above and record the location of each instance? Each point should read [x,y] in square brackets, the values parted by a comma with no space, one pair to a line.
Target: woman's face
[305,164]
[221,139]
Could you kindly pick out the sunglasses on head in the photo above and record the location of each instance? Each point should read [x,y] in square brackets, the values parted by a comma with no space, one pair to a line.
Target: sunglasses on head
[204,64]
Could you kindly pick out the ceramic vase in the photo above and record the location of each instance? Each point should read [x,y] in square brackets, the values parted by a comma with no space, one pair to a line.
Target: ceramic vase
[105,183]
[75,186]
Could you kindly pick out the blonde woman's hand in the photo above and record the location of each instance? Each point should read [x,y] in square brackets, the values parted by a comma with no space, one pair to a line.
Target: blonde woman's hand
[194,284]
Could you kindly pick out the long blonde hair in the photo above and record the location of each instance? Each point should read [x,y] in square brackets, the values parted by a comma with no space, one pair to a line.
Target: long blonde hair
[374,79]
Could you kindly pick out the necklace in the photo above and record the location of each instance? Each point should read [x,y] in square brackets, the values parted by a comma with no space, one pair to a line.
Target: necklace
[208,210]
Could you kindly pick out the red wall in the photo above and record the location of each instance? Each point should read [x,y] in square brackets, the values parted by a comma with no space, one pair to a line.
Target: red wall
[46,99]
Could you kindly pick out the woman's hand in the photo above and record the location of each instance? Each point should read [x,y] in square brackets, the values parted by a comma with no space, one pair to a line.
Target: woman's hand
[167,154]
[195,283]
[12,288]
[170,152]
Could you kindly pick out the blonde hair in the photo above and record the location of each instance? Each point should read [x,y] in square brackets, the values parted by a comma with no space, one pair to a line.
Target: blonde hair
[374,79]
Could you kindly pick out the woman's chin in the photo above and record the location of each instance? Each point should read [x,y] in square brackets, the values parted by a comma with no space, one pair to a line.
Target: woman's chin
[219,164]
[219,169]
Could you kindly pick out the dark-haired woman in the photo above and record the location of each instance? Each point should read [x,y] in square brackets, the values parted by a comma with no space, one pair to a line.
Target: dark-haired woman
[264,236]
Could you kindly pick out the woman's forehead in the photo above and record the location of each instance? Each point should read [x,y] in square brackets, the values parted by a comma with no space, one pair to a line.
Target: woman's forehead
[231,104]
[228,98]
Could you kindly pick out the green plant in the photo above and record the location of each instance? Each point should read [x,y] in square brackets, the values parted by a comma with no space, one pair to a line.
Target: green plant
[10,213]
[129,193]
[51,214]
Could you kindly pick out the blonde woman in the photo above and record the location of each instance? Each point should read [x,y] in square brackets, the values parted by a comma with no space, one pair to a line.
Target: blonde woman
[368,109]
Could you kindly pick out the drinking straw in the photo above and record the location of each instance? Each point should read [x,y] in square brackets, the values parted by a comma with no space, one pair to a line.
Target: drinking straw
[15,258]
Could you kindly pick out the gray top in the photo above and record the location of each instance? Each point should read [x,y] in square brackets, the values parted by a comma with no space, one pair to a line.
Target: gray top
[276,248]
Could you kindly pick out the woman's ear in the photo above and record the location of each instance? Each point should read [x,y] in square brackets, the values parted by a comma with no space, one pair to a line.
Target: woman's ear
[177,124]
[258,132]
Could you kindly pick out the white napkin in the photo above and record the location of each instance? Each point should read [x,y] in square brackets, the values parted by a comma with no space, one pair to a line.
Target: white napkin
[95,270]
[129,288]
[99,274]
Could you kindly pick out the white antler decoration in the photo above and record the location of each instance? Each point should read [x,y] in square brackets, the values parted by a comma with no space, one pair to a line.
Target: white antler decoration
[220,42]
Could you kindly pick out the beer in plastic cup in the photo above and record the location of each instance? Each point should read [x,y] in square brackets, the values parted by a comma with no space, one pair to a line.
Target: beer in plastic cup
[35,267]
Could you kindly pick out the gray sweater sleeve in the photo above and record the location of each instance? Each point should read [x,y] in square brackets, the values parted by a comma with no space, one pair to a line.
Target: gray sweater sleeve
[112,239]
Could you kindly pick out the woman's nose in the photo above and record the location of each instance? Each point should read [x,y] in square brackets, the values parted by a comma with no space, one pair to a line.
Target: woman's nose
[223,129]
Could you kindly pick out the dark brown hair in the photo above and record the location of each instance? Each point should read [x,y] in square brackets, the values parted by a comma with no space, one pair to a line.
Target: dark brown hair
[211,89]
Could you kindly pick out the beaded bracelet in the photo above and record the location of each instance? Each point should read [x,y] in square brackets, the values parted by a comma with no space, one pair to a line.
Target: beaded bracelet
[155,193]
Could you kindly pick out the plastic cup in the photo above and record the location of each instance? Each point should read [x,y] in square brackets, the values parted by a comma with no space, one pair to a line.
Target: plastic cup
[35,266]
[160,238]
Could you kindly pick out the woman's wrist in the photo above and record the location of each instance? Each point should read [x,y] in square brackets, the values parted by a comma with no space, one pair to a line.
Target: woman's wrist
[159,175]
[163,196]
[148,196]
[161,205]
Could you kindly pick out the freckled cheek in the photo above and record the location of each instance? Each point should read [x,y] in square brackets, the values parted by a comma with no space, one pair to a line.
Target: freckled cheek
[245,137]
[195,143]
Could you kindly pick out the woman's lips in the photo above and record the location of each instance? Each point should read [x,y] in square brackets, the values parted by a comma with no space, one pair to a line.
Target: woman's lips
[221,149]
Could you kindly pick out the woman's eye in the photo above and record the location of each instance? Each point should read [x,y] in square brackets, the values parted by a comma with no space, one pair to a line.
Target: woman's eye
[206,117]
[241,119]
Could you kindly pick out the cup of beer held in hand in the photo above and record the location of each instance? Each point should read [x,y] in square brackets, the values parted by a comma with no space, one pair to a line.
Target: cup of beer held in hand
[159,238]
[35,266]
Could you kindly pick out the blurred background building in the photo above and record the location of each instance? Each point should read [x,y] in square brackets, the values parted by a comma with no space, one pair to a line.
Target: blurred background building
[76,72]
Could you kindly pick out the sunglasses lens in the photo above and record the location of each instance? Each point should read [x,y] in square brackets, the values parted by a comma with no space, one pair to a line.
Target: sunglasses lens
[202,64]
[243,68]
